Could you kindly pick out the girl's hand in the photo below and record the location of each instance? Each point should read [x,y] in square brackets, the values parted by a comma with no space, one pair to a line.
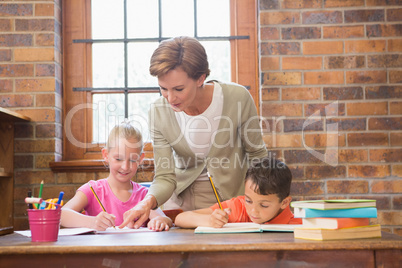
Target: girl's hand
[160,223]
[219,217]
[103,220]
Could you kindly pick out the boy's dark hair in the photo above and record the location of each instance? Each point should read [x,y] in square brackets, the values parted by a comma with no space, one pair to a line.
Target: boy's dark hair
[270,176]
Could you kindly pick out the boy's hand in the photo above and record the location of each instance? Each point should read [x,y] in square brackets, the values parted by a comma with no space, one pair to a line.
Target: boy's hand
[103,220]
[160,223]
[219,217]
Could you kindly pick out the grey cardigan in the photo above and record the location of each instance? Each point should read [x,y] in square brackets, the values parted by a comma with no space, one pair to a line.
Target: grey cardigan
[237,143]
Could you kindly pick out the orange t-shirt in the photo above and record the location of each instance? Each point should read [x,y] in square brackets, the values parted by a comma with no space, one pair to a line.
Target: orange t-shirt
[239,214]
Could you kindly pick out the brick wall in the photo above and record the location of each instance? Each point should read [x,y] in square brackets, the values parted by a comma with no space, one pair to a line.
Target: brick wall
[335,63]
[313,53]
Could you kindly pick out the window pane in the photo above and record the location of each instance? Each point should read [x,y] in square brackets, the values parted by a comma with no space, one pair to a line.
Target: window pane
[138,107]
[177,18]
[108,111]
[107,65]
[139,55]
[213,21]
[107,19]
[142,18]
[218,53]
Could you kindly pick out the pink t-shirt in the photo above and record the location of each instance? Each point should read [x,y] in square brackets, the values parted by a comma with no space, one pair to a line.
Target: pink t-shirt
[111,203]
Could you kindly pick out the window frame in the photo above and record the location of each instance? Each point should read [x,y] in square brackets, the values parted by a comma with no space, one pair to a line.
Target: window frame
[77,72]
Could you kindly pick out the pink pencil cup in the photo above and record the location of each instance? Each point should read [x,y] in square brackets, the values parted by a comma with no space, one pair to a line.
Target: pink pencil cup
[44,224]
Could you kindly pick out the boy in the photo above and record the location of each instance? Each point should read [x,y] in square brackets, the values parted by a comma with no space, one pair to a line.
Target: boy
[266,200]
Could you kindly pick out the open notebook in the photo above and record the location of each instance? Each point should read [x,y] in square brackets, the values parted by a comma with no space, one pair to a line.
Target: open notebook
[78,231]
[247,227]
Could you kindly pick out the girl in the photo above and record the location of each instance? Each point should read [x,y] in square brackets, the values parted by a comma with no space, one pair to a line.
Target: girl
[117,193]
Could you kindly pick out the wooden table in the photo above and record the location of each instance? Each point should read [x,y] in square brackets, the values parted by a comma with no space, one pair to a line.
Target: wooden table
[183,248]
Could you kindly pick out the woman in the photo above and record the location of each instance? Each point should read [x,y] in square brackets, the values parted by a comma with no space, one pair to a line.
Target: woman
[196,127]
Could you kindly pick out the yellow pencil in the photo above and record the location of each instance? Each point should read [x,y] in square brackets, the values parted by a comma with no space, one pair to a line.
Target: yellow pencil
[213,187]
[97,198]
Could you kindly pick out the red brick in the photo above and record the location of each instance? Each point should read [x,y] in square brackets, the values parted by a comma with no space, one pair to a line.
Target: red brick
[318,17]
[301,93]
[6,85]
[280,109]
[322,47]
[16,100]
[294,4]
[307,188]
[324,172]
[44,39]
[384,92]
[280,48]
[343,93]
[389,187]
[35,25]
[5,25]
[287,140]
[35,85]
[395,76]
[269,63]
[370,171]
[270,18]
[382,2]
[34,54]
[389,217]
[313,124]
[348,124]
[352,155]
[324,109]
[35,146]
[386,155]
[343,3]
[297,172]
[364,46]
[395,45]
[16,40]
[341,62]
[282,78]
[323,78]
[269,4]
[395,107]
[5,54]
[325,140]
[269,94]
[44,10]
[384,30]
[396,138]
[397,170]
[367,139]
[387,123]
[42,161]
[7,10]
[301,63]
[23,131]
[301,156]
[271,125]
[367,108]
[269,33]
[367,15]
[299,33]
[394,14]
[45,70]
[366,77]
[347,187]
[343,31]
[384,61]
[39,115]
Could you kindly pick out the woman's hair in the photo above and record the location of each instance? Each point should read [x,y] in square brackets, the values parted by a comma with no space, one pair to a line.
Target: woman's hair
[184,52]
[270,176]
[127,131]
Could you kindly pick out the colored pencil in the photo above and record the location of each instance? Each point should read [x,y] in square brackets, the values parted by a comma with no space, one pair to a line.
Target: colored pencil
[213,187]
[40,192]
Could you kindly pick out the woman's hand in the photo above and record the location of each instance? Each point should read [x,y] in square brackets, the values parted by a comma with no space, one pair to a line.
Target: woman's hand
[135,217]
[103,220]
[219,217]
[160,223]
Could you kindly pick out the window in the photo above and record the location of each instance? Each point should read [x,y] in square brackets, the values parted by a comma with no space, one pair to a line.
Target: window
[107,48]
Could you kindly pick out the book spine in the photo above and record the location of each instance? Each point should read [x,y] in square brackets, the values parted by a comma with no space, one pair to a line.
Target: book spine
[336,213]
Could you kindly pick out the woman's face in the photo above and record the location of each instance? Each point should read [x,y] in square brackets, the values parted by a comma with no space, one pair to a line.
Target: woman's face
[179,89]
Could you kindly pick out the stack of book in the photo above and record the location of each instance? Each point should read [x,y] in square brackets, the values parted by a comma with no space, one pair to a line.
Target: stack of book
[336,219]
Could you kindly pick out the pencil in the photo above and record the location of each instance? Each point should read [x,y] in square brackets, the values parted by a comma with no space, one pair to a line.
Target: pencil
[40,192]
[213,187]
[97,198]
